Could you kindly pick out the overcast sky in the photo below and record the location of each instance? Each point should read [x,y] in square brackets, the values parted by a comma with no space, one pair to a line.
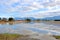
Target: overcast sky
[29,8]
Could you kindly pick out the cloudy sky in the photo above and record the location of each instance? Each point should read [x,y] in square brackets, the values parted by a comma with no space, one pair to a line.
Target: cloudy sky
[29,8]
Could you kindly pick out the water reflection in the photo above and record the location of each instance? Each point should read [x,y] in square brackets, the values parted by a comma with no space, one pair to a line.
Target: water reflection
[11,23]
[30,27]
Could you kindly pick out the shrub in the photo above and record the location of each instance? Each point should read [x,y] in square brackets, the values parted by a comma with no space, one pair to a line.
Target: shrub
[11,19]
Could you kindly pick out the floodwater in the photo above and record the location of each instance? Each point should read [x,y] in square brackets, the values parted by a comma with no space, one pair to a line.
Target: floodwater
[46,27]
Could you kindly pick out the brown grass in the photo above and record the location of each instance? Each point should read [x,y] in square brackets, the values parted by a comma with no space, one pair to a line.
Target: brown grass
[7,36]
[57,37]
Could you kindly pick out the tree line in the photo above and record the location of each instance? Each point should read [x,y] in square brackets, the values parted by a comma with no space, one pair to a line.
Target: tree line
[5,19]
[12,19]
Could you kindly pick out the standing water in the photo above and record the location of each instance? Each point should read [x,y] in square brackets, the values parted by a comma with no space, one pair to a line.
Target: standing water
[30,28]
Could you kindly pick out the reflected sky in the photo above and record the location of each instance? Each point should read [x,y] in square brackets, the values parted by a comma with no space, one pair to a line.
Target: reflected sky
[28,28]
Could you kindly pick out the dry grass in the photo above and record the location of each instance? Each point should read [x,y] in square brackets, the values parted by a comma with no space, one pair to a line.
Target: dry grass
[57,37]
[7,36]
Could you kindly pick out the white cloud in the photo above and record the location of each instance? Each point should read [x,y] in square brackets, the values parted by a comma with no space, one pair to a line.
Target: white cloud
[33,5]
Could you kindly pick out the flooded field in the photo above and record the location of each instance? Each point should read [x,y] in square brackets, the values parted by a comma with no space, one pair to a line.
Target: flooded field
[43,30]
[45,27]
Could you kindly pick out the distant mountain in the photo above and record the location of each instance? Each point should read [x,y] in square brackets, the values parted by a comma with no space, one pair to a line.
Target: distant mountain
[17,18]
[32,18]
[52,18]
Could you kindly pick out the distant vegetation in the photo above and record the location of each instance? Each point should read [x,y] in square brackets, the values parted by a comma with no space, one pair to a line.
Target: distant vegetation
[38,20]
[11,19]
[0,18]
[26,19]
[5,19]
[56,20]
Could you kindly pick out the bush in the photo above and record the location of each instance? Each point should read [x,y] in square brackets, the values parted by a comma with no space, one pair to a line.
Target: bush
[11,19]
[28,20]
[4,19]
[0,18]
